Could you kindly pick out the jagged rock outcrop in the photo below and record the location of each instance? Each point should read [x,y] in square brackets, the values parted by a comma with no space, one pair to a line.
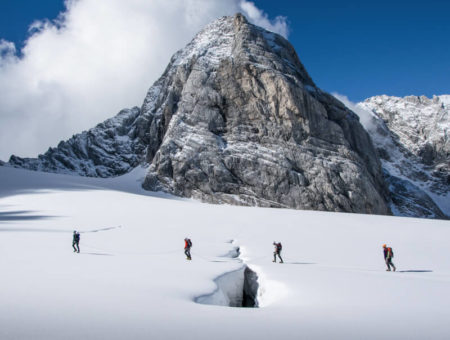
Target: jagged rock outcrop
[112,148]
[235,118]
[411,136]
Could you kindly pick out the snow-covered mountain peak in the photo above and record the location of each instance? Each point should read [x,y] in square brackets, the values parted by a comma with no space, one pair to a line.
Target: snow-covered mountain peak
[412,137]
[235,118]
[210,45]
[420,123]
[222,38]
[412,100]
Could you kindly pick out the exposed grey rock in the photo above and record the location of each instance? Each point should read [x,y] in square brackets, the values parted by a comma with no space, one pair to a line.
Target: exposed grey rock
[411,136]
[237,119]
[112,148]
[410,200]
[419,124]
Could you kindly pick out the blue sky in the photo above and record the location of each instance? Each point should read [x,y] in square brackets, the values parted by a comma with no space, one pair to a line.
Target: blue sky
[17,15]
[103,55]
[365,48]
[356,48]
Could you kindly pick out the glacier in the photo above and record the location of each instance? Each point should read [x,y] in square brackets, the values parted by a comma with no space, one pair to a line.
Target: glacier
[134,281]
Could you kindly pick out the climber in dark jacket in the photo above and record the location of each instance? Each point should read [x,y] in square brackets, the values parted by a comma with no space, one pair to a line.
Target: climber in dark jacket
[76,242]
[187,248]
[388,255]
[277,251]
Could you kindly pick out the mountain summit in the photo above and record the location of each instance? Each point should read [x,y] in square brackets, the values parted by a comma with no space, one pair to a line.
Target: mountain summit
[235,118]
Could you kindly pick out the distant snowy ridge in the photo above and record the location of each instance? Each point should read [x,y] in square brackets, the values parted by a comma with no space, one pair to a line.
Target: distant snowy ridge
[419,123]
[411,135]
[112,148]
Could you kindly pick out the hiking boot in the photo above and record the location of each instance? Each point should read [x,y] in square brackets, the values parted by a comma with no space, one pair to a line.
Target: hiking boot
[388,270]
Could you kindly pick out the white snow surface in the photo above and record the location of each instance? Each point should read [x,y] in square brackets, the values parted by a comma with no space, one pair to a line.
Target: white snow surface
[131,280]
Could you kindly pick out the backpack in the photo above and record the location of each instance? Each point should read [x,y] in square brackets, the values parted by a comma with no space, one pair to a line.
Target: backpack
[279,246]
[390,251]
[189,242]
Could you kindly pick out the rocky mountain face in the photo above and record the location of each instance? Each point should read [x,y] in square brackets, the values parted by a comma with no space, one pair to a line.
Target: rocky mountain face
[411,135]
[112,148]
[235,118]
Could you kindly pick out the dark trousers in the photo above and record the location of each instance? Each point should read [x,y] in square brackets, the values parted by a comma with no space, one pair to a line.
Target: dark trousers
[275,256]
[187,252]
[389,264]
[76,246]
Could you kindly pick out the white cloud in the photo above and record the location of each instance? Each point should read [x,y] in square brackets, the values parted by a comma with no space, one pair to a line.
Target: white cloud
[366,117]
[258,17]
[7,50]
[98,57]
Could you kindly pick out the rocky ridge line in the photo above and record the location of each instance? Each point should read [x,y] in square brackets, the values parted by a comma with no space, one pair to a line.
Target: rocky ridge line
[112,148]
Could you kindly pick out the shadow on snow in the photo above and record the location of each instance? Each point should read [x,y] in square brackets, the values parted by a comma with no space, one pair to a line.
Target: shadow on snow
[21,215]
[415,271]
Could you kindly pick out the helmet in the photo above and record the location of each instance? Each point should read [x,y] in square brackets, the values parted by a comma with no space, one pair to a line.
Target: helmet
[384,246]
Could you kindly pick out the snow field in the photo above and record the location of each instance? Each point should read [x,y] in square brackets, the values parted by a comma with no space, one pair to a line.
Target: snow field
[133,281]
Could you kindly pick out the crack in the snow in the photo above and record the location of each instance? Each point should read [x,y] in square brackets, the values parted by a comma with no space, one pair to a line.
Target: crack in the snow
[237,288]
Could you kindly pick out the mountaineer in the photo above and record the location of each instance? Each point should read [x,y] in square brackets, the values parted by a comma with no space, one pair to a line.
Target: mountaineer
[76,242]
[388,255]
[187,248]
[277,251]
